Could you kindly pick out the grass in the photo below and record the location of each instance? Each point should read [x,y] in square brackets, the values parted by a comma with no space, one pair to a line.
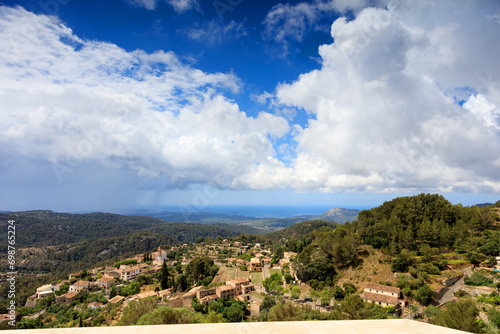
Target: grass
[256,278]
[275,271]
[456,262]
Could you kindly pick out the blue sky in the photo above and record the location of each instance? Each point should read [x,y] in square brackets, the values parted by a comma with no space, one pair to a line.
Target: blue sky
[111,105]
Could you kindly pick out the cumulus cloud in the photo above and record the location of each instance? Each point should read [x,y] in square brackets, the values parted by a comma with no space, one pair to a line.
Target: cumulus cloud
[287,24]
[71,102]
[385,102]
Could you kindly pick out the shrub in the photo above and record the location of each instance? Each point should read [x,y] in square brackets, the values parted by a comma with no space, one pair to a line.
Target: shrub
[476,279]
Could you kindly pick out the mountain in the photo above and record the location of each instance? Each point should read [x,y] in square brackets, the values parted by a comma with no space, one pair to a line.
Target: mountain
[482,205]
[339,215]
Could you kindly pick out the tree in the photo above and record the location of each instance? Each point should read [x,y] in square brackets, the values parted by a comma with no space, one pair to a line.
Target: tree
[424,294]
[461,315]
[164,283]
[196,305]
[135,310]
[402,262]
[338,293]
[295,292]
[325,296]
[169,315]
[112,292]
[267,303]
[233,313]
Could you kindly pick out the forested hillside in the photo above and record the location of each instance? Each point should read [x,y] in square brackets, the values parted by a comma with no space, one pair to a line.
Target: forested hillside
[47,228]
[411,230]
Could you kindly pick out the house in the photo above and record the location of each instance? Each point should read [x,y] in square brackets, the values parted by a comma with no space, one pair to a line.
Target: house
[105,282]
[225,291]
[112,272]
[247,288]
[287,257]
[160,255]
[242,262]
[67,298]
[176,302]
[207,292]
[95,305]
[174,249]
[157,263]
[79,286]
[205,300]
[116,299]
[237,244]
[255,308]
[78,273]
[129,273]
[382,295]
[165,293]
[44,291]
[255,264]
[237,284]
[145,294]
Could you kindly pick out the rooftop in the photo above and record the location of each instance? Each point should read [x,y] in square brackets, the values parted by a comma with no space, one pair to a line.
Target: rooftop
[377,297]
[381,287]
[239,280]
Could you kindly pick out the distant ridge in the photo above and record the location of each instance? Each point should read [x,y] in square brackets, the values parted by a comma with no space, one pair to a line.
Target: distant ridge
[482,205]
[339,215]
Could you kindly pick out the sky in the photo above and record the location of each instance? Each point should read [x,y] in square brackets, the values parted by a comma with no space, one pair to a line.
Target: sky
[122,104]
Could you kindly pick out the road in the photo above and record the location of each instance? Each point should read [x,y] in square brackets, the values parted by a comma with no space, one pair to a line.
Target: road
[449,294]
[265,272]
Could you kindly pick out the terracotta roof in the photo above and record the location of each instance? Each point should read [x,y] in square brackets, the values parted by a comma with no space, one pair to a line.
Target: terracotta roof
[225,288]
[208,298]
[68,295]
[106,279]
[165,292]
[381,287]
[116,299]
[377,297]
[82,283]
[239,280]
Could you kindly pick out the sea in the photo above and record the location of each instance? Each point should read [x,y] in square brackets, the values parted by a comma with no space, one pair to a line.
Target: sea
[258,211]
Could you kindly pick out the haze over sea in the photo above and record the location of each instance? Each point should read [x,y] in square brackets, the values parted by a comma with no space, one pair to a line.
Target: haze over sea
[259,211]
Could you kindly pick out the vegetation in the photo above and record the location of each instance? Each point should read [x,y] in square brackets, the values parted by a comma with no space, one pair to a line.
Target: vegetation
[419,239]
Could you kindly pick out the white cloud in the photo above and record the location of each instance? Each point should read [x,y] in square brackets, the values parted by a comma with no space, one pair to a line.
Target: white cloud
[73,102]
[179,5]
[385,114]
[215,32]
[286,24]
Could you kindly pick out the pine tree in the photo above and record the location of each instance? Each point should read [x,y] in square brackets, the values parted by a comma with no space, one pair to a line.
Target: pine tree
[164,276]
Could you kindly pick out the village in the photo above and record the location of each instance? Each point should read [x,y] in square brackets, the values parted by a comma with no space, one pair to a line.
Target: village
[244,272]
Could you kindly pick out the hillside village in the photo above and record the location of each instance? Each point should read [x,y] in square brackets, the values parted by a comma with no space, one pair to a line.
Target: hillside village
[309,271]
[239,278]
